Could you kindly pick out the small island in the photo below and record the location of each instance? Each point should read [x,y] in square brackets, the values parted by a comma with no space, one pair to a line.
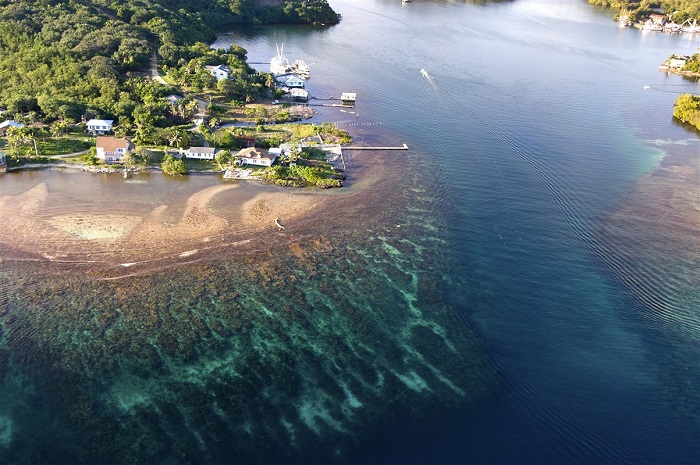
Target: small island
[687,109]
[687,106]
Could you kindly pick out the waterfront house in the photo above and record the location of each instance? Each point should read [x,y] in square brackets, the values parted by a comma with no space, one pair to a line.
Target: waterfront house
[291,81]
[7,124]
[657,18]
[219,72]
[256,156]
[348,98]
[111,150]
[200,153]
[676,63]
[299,95]
[99,126]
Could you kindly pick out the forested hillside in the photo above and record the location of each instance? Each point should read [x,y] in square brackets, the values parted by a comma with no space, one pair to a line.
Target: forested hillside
[63,59]
[680,10]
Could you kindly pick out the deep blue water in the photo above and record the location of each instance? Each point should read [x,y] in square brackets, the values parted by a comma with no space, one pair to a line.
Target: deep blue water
[536,123]
[512,292]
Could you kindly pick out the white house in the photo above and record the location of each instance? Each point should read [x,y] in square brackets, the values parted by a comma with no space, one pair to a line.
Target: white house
[7,124]
[200,153]
[291,81]
[219,72]
[256,156]
[299,94]
[676,63]
[348,98]
[111,150]
[99,126]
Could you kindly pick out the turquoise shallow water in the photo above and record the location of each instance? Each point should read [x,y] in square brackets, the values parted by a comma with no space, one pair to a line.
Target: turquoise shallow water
[521,286]
[290,354]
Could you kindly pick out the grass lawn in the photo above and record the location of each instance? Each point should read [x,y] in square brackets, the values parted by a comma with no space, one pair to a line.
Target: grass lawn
[62,146]
[201,165]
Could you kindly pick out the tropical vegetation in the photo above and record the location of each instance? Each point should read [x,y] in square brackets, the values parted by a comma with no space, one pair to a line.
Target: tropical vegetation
[303,168]
[692,64]
[173,166]
[636,10]
[65,60]
[687,109]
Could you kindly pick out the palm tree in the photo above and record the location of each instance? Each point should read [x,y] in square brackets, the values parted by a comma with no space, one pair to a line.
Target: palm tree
[270,81]
[175,138]
[57,128]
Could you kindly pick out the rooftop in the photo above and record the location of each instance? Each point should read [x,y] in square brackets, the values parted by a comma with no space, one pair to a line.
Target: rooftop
[111,144]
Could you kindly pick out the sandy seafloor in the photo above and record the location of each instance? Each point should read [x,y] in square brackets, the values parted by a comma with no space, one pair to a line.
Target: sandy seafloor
[200,332]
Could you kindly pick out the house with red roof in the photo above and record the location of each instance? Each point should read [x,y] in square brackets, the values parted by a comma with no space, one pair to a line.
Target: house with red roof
[111,150]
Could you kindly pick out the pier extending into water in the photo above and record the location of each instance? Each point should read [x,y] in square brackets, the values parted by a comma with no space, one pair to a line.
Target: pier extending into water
[402,147]
[335,151]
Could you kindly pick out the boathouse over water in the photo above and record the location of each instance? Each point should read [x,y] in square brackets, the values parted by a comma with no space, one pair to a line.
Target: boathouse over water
[348,98]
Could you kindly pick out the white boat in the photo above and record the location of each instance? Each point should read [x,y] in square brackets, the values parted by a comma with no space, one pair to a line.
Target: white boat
[301,68]
[424,73]
[624,21]
[279,63]
[672,27]
[689,26]
[652,26]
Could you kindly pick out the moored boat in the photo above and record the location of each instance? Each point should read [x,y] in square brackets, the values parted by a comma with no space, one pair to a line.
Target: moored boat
[279,63]
[301,68]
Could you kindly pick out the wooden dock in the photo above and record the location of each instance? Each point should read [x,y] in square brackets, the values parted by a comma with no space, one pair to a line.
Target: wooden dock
[337,105]
[403,147]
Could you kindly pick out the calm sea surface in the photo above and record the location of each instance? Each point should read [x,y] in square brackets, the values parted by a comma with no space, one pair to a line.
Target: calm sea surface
[507,293]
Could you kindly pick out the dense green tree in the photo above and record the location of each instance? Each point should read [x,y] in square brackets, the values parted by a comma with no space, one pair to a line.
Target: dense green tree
[58,127]
[173,166]
[136,159]
[637,10]
[693,64]
[20,142]
[90,157]
[687,109]
[67,59]
[226,86]
[223,158]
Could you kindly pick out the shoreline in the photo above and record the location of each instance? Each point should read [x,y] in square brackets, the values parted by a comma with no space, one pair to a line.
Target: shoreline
[223,218]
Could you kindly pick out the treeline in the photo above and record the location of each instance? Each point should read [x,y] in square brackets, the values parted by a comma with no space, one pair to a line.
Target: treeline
[679,10]
[69,59]
[687,109]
